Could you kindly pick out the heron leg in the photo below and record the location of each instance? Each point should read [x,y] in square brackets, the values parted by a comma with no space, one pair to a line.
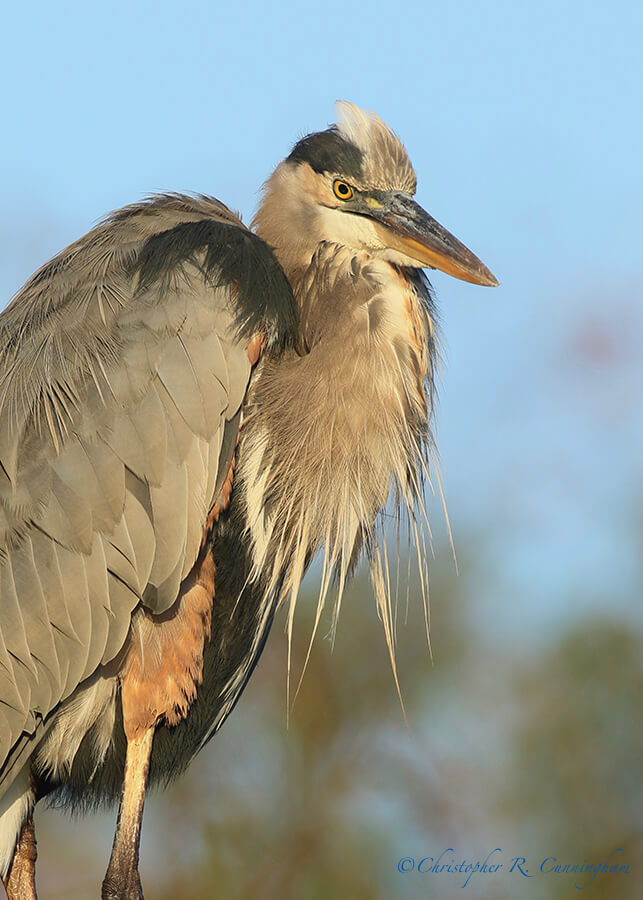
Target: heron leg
[156,690]
[20,883]
[122,881]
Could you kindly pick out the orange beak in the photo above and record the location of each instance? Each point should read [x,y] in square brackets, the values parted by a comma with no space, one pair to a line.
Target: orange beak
[403,225]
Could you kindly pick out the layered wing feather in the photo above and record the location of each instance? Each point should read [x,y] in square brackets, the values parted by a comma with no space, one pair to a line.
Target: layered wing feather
[121,363]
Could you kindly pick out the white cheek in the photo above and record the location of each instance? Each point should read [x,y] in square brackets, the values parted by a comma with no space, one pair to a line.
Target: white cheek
[357,232]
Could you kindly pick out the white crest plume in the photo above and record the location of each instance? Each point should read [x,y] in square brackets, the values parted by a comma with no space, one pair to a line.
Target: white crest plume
[386,162]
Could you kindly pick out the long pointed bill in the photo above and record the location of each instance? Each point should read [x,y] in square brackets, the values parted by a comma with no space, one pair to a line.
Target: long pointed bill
[403,225]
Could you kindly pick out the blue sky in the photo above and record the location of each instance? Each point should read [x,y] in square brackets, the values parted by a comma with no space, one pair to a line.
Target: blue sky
[524,124]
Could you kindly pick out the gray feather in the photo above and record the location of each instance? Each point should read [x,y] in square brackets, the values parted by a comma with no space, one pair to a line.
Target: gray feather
[118,370]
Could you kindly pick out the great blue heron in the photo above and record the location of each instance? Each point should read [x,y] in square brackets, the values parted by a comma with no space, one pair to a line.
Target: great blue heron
[165,352]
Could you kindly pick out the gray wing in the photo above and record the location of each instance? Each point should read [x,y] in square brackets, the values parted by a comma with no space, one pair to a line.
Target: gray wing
[122,365]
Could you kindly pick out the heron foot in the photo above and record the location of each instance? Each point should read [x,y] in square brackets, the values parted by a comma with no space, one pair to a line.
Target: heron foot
[20,883]
[126,888]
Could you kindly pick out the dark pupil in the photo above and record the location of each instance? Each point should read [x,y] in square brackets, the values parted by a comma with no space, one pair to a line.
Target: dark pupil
[342,188]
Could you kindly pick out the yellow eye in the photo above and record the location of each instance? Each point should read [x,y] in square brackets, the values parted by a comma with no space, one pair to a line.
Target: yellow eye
[342,190]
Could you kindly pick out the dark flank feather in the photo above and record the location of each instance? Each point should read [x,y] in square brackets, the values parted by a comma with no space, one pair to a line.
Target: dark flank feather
[227,257]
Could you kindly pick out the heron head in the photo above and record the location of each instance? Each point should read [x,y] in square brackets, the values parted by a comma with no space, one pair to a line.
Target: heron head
[353,184]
